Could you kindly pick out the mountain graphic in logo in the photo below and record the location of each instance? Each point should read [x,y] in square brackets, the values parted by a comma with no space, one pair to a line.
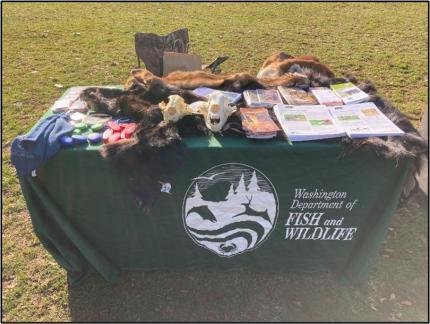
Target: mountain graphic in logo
[230,209]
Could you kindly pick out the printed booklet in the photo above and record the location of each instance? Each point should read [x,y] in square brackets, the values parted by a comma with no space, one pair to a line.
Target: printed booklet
[70,101]
[234,97]
[326,97]
[297,96]
[364,120]
[262,98]
[349,93]
[256,122]
[307,123]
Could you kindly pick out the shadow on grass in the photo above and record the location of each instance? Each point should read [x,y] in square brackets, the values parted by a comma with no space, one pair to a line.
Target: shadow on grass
[396,291]
[195,295]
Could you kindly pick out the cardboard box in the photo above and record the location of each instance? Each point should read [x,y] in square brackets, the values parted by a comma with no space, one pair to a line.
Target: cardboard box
[173,61]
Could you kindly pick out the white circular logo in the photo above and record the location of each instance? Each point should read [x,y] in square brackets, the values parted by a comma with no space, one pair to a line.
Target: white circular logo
[230,209]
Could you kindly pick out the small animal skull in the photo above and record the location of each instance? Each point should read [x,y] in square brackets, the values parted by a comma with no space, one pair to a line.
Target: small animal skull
[175,109]
[216,111]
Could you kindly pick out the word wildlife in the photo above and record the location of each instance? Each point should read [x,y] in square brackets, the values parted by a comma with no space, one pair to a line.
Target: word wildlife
[309,225]
[317,232]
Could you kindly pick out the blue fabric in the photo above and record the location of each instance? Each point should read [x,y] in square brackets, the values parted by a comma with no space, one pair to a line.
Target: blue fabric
[30,151]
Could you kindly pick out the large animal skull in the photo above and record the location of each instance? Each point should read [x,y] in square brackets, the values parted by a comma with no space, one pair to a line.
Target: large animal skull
[216,111]
[175,109]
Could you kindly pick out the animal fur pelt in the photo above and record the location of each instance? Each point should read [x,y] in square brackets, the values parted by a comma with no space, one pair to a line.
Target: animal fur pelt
[156,152]
[134,101]
[236,82]
[280,63]
[153,155]
[410,146]
[277,70]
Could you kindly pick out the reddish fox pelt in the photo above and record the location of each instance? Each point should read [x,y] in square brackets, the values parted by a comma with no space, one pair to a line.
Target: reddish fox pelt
[236,82]
[280,63]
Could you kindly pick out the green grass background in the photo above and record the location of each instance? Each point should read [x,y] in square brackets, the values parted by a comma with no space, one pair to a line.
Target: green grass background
[92,44]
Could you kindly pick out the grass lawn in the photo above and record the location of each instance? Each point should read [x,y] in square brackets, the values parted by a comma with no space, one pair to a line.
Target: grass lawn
[92,44]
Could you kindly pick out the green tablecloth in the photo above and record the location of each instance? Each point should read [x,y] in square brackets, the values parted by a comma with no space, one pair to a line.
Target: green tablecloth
[234,202]
[86,218]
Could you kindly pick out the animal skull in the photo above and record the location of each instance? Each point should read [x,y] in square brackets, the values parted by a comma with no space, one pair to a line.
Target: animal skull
[175,109]
[216,111]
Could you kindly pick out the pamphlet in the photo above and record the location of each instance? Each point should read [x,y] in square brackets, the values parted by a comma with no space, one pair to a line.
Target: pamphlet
[364,120]
[306,123]
[262,98]
[297,96]
[60,105]
[326,97]
[349,93]
[203,91]
[257,123]
[70,101]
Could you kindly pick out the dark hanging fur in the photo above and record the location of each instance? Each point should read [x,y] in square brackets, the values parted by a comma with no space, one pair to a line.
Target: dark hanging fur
[155,152]
[153,155]
[410,146]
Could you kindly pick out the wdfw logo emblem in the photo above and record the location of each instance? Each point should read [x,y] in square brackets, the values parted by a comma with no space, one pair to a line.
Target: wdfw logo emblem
[230,209]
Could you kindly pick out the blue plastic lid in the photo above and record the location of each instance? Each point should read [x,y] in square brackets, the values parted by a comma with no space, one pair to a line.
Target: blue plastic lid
[66,140]
[94,138]
[79,139]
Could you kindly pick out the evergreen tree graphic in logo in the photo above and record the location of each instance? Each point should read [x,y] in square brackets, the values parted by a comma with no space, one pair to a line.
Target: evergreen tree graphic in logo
[230,209]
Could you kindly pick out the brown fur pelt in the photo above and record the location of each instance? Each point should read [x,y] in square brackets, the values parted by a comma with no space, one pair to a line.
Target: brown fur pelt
[236,82]
[282,56]
[280,63]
